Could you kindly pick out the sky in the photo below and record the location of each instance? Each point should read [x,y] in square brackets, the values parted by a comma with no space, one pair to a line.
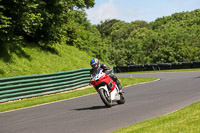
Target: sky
[132,10]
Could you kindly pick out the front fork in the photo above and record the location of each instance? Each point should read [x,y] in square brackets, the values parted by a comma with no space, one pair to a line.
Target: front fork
[105,88]
[114,95]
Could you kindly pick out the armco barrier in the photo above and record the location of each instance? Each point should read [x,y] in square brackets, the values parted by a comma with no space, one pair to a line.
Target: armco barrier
[165,66]
[161,66]
[186,65]
[177,65]
[151,67]
[132,68]
[196,64]
[34,85]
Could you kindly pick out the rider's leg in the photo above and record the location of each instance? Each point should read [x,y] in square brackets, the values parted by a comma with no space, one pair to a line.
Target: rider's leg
[114,78]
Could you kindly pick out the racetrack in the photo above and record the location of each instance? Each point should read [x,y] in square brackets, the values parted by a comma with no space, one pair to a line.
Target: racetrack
[89,115]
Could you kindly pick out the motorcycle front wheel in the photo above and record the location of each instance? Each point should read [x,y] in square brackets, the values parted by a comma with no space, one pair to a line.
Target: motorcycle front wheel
[105,97]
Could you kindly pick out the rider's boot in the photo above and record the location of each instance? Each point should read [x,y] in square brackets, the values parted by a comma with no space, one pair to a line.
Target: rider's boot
[120,88]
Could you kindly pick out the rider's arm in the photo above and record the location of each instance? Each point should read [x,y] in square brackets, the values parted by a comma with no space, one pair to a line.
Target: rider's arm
[106,69]
[91,73]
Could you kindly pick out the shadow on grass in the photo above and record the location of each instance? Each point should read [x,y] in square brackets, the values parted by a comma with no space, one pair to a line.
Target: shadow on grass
[7,49]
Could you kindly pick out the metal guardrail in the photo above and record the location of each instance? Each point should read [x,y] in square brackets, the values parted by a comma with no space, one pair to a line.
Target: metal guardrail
[154,67]
[14,88]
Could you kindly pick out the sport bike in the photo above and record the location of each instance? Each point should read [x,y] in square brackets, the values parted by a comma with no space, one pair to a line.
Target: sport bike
[107,88]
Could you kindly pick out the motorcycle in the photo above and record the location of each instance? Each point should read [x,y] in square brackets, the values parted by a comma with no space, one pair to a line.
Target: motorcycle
[106,88]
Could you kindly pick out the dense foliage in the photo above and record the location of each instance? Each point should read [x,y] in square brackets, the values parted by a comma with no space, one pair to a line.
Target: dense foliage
[47,23]
[174,38]
[43,22]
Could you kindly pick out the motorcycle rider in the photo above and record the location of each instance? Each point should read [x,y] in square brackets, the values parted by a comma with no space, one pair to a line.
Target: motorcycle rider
[95,64]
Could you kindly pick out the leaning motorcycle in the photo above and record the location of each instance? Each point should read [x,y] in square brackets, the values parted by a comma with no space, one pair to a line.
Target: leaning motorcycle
[106,88]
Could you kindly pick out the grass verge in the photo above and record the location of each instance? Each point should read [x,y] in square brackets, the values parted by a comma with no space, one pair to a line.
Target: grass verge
[63,96]
[186,120]
[39,61]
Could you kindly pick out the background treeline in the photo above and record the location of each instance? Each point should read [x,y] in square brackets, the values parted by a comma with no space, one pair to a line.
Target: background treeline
[174,38]
[48,23]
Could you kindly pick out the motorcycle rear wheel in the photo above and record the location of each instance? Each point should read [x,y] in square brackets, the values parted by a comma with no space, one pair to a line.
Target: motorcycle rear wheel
[105,98]
[122,99]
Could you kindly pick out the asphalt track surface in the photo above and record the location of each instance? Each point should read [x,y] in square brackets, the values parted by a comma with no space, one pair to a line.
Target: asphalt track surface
[89,115]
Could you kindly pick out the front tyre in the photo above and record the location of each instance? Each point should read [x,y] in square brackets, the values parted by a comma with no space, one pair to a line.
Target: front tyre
[105,98]
[122,99]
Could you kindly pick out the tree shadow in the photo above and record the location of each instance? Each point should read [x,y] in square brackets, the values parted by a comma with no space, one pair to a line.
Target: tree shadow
[6,50]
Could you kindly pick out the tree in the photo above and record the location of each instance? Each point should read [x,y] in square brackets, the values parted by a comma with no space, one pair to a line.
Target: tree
[37,20]
[168,39]
[105,28]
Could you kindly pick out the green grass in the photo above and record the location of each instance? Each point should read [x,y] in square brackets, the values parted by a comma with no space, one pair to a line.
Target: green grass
[127,80]
[62,96]
[186,120]
[38,61]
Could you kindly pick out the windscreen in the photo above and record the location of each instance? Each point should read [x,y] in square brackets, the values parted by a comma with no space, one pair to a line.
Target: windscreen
[96,71]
